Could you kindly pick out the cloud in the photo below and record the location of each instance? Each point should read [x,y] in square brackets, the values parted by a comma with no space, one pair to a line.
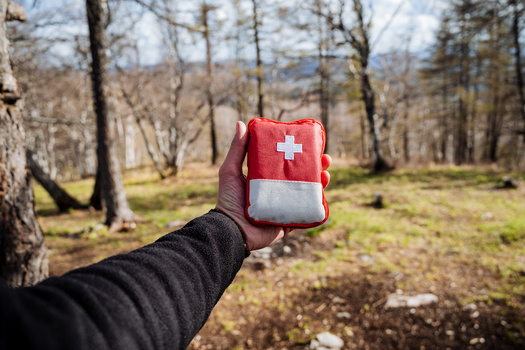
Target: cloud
[149,39]
[418,20]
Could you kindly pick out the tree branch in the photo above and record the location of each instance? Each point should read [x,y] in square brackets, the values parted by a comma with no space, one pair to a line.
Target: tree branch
[163,17]
[387,24]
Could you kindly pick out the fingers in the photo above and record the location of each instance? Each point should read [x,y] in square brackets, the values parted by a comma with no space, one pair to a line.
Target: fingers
[237,151]
[326,161]
[325,178]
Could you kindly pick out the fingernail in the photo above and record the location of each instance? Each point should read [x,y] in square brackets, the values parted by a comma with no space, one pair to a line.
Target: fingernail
[237,128]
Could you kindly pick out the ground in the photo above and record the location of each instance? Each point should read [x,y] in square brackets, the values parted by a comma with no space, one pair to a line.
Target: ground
[444,230]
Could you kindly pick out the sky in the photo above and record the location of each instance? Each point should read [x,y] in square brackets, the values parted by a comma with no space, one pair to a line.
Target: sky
[414,19]
[417,19]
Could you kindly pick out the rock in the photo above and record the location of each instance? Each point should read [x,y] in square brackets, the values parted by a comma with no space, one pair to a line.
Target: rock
[175,224]
[487,216]
[397,300]
[98,227]
[337,300]
[378,201]
[453,251]
[470,307]
[474,341]
[509,183]
[261,265]
[314,344]
[287,249]
[264,253]
[330,341]
[367,258]
[343,315]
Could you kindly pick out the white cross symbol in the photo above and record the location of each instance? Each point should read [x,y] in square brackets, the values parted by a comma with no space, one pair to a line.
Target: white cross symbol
[289,147]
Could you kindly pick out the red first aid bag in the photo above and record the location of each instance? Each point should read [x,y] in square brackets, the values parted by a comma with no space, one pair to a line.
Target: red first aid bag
[283,185]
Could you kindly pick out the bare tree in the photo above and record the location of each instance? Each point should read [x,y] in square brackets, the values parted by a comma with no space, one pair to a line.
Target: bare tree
[516,14]
[118,212]
[62,199]
[162,98]
[324,44]
[23,255]
[259,65]
[395,88]
[139,119]
[241,85]
[205,22]
[358,37]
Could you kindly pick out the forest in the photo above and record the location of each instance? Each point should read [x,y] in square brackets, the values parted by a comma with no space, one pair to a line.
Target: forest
[115,116]
[458,101]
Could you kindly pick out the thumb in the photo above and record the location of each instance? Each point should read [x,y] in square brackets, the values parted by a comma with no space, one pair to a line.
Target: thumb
[237,151]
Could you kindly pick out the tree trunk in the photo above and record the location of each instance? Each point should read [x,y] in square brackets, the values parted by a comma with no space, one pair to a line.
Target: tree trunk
[362,46]
[209,87]
[118,213]
[493,144]
[444,121]
[96,198]
[369,101]
[78,149]
[259,72]
[461,137]
[517,59]
[364,148]
[407,92]
[50,151]
[61,198]
[406,145]
[23,255]
[324,95]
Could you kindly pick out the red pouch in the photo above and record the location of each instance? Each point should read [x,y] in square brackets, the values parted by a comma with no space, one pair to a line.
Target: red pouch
[283,185]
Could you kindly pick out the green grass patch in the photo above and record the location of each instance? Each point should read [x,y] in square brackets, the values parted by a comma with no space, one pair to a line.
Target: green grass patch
[446,229]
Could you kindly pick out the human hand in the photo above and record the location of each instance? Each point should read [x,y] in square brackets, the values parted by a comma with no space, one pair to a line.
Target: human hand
[232,193]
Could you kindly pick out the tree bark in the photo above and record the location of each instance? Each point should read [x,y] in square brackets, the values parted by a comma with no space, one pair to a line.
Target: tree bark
[96,198]
[517,59]
[406,140]
[209,89]
[362,126]
[118,212]
[358,38]
[460,155]
[324,74]
[61,198]
[369,101]
[23,254]
[407,92]
[259,72]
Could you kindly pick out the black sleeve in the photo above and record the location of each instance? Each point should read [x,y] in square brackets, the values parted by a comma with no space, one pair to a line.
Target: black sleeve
[156,297]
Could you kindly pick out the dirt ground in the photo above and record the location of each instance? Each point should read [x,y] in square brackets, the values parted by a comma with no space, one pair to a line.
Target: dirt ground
[351,304]
[443,232]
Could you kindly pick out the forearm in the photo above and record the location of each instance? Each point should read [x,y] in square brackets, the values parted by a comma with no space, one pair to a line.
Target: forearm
[156,297]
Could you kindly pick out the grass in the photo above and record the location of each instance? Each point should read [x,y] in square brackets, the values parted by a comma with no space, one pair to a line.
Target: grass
[443,230]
